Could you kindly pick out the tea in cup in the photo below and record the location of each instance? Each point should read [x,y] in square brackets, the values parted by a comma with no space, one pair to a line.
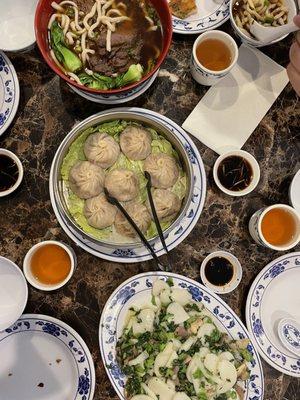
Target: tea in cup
[276,227]
[214,54]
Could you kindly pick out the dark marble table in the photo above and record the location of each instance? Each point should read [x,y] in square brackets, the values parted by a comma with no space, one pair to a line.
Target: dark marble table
[48,109]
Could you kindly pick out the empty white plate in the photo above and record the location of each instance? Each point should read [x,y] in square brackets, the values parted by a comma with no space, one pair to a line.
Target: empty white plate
[295,191]
[13,293]
[43,358]
[274,295]
[17,24]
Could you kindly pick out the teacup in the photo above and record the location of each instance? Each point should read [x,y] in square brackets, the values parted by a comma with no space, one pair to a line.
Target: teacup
[257,233]
[206,76]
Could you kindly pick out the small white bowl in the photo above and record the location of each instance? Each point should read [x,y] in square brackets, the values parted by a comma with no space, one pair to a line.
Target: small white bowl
[17,25]
[255,168]
[294,192]
[20,168]
[237,272]
[291,4]
[27,270]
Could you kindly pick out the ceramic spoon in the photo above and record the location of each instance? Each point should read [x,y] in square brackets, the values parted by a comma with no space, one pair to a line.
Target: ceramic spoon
[289,334]
[267,34]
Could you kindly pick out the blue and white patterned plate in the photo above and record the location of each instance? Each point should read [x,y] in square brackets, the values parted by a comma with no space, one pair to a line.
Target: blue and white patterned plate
[274,295]
[180,230]
[210,15]
[44,358]
[137,290]
[9,92]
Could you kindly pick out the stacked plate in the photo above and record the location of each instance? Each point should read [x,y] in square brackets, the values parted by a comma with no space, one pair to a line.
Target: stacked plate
[176,233]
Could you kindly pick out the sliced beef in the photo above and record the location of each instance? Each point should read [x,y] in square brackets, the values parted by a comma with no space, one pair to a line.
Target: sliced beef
[126,50]
[85,5]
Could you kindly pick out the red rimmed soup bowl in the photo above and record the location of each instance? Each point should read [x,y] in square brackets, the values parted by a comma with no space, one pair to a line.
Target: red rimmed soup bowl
[43,14]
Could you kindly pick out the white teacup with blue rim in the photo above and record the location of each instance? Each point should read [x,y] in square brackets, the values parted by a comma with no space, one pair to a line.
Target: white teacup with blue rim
[203,75]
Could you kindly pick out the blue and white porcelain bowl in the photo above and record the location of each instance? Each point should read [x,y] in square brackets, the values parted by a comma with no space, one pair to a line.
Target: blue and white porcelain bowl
[9,92]
[192,204]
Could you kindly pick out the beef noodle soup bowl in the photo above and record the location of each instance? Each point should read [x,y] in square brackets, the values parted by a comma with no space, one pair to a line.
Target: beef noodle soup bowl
[104,46]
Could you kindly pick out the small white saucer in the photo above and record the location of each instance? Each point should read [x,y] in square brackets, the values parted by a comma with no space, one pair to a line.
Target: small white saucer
[289,334]
[17,24]
[237,272]
[294,192]
[13,293]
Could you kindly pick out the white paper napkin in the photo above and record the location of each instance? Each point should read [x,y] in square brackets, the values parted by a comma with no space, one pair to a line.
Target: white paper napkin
[230,111]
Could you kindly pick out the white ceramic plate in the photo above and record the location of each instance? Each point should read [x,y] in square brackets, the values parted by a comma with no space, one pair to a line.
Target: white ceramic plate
[180,231]
[13,293]
[17,24]
[9,92]
[210,15]
[294,192]
[117,98]
[43,358]
[275,295]
[138,289]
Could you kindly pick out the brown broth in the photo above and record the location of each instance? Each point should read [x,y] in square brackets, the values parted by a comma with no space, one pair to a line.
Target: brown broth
[152,40]
[214,54]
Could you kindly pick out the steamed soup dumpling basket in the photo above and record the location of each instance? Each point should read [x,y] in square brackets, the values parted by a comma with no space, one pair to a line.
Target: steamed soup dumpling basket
[60,191]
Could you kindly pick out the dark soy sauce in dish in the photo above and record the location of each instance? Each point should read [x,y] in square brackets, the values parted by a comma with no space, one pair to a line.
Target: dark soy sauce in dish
[9,172]
[235,173]
[218,271]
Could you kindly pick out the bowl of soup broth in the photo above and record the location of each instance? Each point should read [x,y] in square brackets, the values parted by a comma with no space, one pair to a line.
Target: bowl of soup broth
[104,46]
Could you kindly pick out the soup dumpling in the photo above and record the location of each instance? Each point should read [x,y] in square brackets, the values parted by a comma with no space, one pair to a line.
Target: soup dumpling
[86,179]
[163,169]
[167,204]
[135,142]
[101,149]
[99,212]
[139,214]
[122,184]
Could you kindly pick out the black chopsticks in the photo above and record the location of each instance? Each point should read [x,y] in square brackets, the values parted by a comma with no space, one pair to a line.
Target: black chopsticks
[156,220]
[116,203]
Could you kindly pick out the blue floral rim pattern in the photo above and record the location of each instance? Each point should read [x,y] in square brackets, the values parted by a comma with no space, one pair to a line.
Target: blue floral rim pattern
[282,361]
[115,309]
[9,86]
[198,25]
[73,342]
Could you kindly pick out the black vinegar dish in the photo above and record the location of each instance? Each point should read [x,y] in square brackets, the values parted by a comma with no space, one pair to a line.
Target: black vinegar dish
[221,272]
[11,172]
[236,173]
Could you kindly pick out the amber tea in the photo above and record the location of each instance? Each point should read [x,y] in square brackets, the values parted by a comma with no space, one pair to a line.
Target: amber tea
[278,227]
[214,54]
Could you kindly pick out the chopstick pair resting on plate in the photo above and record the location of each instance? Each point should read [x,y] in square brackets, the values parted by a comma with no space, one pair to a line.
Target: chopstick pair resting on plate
[116,203]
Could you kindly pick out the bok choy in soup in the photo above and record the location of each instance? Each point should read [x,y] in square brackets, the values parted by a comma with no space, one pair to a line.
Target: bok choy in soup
[105,44]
